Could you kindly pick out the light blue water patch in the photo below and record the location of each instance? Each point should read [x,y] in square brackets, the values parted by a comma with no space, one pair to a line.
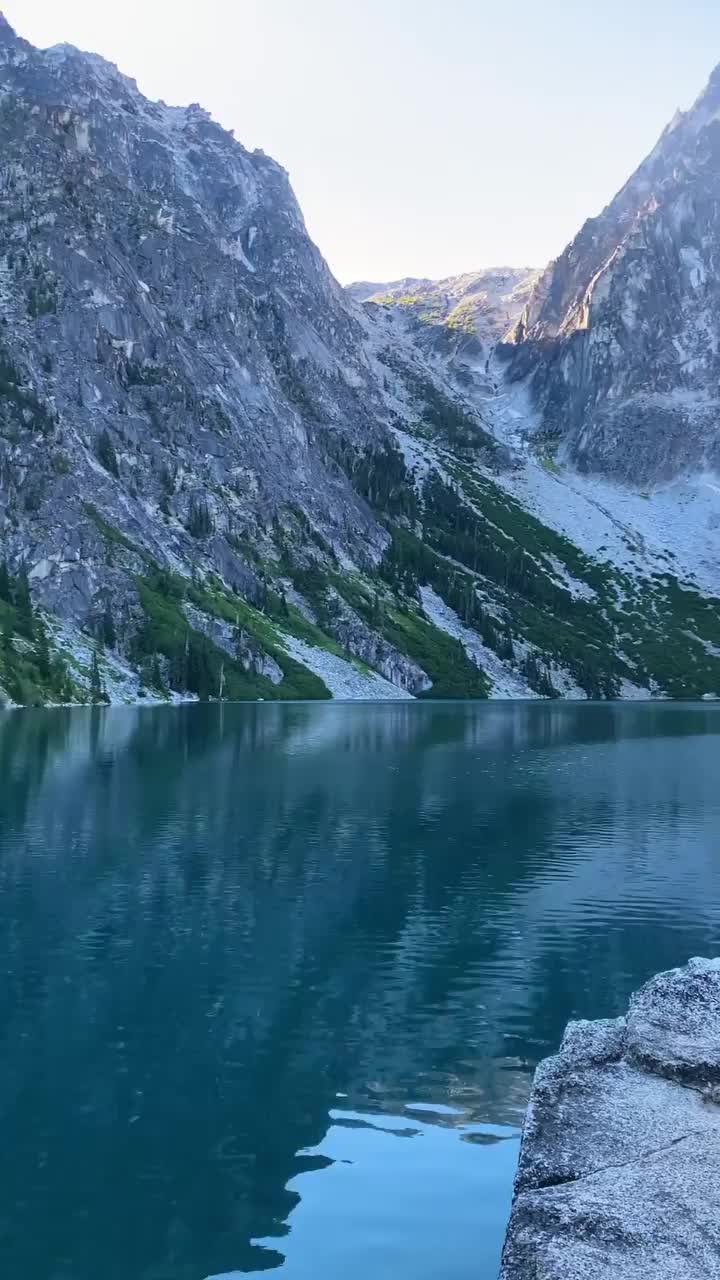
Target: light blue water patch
[434,1108]
[401,1196]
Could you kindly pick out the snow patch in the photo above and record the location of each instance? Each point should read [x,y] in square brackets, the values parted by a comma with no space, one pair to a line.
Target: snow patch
[417,456]
[505,682]
[673,529]
[122,684]
[579,590]
[234,249]
[340,677]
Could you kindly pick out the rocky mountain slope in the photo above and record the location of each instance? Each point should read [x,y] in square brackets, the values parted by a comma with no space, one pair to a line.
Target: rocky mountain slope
[620,339]
[221,476]
[481,305]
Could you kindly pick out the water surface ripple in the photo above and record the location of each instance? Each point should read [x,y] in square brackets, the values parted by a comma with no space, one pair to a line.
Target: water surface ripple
[276,977]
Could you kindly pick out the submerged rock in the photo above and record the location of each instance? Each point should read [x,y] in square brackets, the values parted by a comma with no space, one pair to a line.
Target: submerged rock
[619,1173]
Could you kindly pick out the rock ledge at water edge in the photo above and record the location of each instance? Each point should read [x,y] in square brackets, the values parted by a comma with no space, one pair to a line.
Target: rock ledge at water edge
[619,1173]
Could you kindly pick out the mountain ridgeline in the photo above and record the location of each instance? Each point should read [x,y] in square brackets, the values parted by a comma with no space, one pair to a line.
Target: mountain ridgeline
[621,335]
[223,476]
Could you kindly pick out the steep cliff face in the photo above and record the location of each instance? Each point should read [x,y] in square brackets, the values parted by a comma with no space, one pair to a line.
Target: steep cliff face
[189,405]
[178,334]
[179,371]
[620,339]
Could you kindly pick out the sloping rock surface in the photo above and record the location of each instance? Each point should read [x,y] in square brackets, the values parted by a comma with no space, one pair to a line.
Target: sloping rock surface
[619,1173]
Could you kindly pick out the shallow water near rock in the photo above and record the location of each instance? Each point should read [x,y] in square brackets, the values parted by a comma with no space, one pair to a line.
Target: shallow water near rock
[276,977]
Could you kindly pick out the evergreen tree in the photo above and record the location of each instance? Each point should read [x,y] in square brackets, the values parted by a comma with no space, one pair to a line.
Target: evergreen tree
[97,689]
[199,522]
[23,603]
[5,586]
[538,677]
[42,649]
[6,645]
[199,671]
[107,629]
[105,453]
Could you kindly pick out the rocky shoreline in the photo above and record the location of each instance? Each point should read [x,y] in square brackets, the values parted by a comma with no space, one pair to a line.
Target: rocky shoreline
[619,1172]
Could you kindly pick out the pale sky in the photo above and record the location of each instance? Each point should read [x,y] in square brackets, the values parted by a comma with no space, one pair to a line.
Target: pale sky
[422,137]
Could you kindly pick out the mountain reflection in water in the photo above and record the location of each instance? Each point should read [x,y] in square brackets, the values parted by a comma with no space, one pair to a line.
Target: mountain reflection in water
[276,977]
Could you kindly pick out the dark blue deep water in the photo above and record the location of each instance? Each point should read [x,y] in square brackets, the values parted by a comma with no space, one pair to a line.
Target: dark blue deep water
[275,978]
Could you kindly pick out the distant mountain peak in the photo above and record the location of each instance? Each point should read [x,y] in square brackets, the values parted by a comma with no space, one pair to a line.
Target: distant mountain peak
[5,29]
[713,84]
[620,334]
[481,304]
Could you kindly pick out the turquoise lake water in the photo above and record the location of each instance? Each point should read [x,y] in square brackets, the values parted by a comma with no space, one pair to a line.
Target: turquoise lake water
[276,978]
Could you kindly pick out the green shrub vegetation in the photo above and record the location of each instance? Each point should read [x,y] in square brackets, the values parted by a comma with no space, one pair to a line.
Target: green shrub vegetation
[105,453]
[30,673]
[195,663]
[199,522]
[443,658]
[19,405]
[399,619]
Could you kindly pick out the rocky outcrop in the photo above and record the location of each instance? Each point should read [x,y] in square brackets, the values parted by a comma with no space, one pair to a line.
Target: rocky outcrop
[235,642]
[619,1174]
[359,639]
[172,340]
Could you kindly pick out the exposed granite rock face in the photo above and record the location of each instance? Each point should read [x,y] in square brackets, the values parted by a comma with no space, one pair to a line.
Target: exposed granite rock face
[621,338]
[235,642]
[194,415]
[619,1174]
[479,305]
[178,336]
[357,638]
[181,377]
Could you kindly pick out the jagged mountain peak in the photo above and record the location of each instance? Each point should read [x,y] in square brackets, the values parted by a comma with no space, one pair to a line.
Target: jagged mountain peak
[8,34]
[709,99]
[705,108]
[185,390]
[557,301]
[620,338]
